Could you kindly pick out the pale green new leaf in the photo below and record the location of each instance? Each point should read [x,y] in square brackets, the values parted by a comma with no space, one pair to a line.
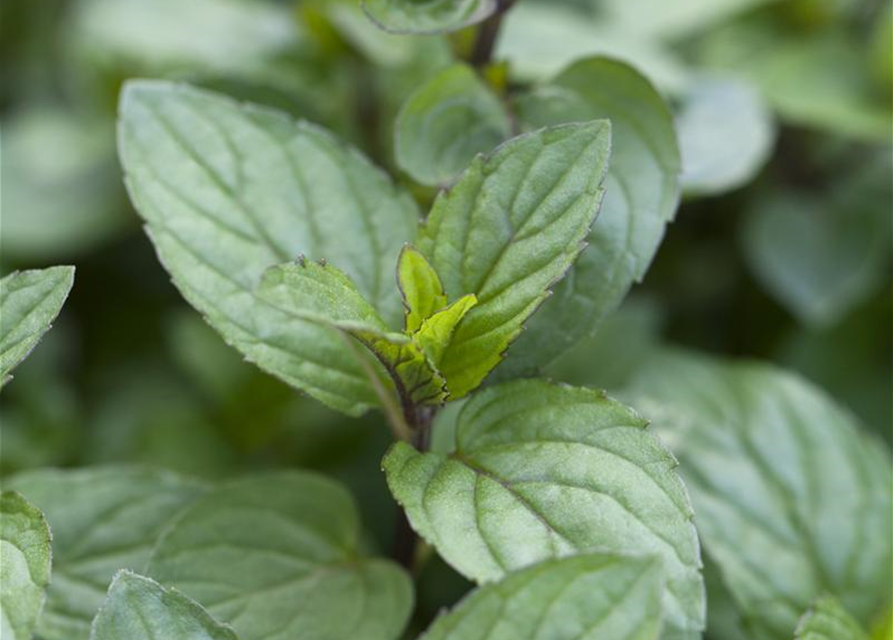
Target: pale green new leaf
[507,231]
[436,332]
[827,620]
[427,16]
[420,288]
[757,447]
[29,302]
[228,190]
[445,123]
[25,567]
[138,608]
[641,195]
[584,596]
[276,556]
[542,471]
[726,134]
[103,520]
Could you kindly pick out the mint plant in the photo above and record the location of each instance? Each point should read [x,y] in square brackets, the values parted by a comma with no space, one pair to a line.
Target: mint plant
[418,223]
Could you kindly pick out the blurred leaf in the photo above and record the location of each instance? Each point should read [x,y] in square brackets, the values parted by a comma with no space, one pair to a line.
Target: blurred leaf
[138,608]
[509,229]
[427,16]
[59,204]
[540,39]
[25,570]
[29,303]
[615,597]
[641,194]
[726,134]
[827,620]
[103,519]
[219,183]
[543,471]
[445,123]
[819,258]
[276,556]
[791,499]
[815,79]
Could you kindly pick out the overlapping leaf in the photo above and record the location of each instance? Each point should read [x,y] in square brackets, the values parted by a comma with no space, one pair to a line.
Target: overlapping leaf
[29,302]
[427,16]
[792,500]
[827,620]
[25,567]
[507,231]
[103,520]
[642,191]
[228,190]
[138,608]
[586,596]
[543,471]
[276,557]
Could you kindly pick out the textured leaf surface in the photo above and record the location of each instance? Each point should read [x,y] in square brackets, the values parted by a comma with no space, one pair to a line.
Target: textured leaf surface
[427,16]
[586,596]
[725,136]
[507,231]
[25,567]
[138,608]
[827,620]
[103,520]
[445,123]
[641,194]
[29,302]
[276,557]
[542,471]
[228,190]
[757,448]
[816,256]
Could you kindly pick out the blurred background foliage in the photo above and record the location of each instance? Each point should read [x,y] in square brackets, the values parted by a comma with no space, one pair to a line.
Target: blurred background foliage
[780,249]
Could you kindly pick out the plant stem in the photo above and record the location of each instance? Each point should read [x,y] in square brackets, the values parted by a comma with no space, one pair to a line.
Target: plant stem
[405,537]
[482,52]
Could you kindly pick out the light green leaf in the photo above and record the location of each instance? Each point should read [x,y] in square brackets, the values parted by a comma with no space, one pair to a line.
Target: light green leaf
[543,471]
[138,608]
[756,447]
[29,302]
[25,568]
[585,596]
[420,288]
[436,332]
[103,520]
[229,190]
[427,16]
[507,231]
[726,134]
[816,256]
[827,620]
[642,191]
[445,122]
[276,557]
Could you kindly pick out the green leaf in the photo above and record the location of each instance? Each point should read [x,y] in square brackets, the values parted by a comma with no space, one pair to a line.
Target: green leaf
[827,620]
[420,288]
[25,569]
[228,190]
[103,520]
[276,556]
[757,446]
[436,333]
[726,134]
[507,231]
[543,471]
[585,596]
[642,191]
[445,123]
[29,302]
[427,16]
[818,257]
[138,608]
